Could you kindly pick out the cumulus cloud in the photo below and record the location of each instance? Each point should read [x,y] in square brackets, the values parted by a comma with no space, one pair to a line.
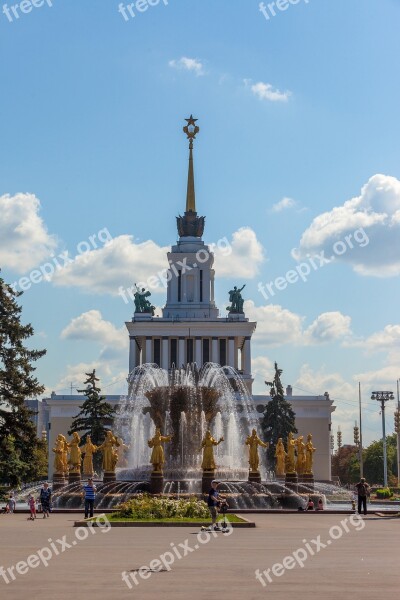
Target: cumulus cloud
[328,327]
[121,262]
[25,241]
[112,380]
[261,367]
[365,228]
[188,64]
[275,325]
[283,204]
[245,258]
[111,363]
[90,326]
[266,91]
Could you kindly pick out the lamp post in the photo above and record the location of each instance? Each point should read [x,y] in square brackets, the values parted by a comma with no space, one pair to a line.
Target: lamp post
[383,397]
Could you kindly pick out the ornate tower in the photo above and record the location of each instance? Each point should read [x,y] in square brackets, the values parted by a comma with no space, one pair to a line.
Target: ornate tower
[190,329]
[190,292]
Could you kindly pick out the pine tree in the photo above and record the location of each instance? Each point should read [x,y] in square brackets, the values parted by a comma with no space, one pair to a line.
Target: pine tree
[18,440]
[279,418]
[94,416]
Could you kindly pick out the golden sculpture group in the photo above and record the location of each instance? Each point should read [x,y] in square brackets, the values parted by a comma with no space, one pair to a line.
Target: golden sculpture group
[298,458]
[287,462]
[68,455]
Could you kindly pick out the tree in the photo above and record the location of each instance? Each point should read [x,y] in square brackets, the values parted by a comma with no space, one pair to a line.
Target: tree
[373,459]
[18,440]
[346,464]
[279,417]
[94,416]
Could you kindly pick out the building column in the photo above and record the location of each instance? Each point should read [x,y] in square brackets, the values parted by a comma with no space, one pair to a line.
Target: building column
[231,352]
[164,353]
[197,352]
[134,354]
[246,359]
[212,273]
[181,352]
[149,350]
[214,350]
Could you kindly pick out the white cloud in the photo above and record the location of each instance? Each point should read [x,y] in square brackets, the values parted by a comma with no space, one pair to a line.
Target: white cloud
[275,325]
[112,380]
[25,241]
[372,223]
[188,64]
[121,262]
[328,327]
[111,363]
[261,368]
[90,326]
[265,91]
[283,204]
[246,256]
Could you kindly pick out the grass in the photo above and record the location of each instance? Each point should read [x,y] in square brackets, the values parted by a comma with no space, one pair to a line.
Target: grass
[115,518]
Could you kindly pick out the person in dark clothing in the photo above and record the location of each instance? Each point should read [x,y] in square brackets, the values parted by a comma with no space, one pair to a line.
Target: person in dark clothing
[45,500]
[212,503]
[362,488]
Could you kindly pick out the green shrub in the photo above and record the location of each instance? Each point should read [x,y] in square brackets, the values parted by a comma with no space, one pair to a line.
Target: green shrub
[384,493]
[145,506]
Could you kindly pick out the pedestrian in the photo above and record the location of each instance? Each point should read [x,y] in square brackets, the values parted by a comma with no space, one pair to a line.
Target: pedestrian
[45,499]
[213,502]
[362,493]
[310,504]
[32,507]
[89,492]
[11,503]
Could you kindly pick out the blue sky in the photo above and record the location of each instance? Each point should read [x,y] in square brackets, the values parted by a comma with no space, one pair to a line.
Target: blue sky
[303,106]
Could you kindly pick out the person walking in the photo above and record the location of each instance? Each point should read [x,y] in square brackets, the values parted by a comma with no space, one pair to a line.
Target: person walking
[89,492]
[11,503]
[212,504]
[362,494]
[45,499]
[32,507]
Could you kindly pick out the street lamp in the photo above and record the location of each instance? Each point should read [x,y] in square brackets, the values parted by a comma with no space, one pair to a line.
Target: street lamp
[383,397]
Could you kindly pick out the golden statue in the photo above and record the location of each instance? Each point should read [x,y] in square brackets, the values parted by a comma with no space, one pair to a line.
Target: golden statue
[280,455]
[208,444]
[301,455]
[75,455]
[108,449]
[253,441]
[290,457]
[122,450]
[157,458]
[89,449]
[65,452]
[59,467]
[309,455]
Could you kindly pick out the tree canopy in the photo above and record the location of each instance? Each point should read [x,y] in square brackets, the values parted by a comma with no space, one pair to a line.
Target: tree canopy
[19,444]
[279,417]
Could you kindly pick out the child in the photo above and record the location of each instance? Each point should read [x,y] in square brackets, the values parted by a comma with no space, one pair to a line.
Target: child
[310,505]
[32,507]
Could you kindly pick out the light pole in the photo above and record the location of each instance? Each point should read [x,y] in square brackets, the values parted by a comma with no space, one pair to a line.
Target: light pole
[383,397]
[397,430]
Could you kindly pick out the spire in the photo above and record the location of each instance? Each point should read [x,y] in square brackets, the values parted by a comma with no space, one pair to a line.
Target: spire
[190,225]
[191,130]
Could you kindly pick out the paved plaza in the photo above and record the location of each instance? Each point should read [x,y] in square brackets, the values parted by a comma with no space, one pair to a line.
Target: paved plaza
[360,563]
